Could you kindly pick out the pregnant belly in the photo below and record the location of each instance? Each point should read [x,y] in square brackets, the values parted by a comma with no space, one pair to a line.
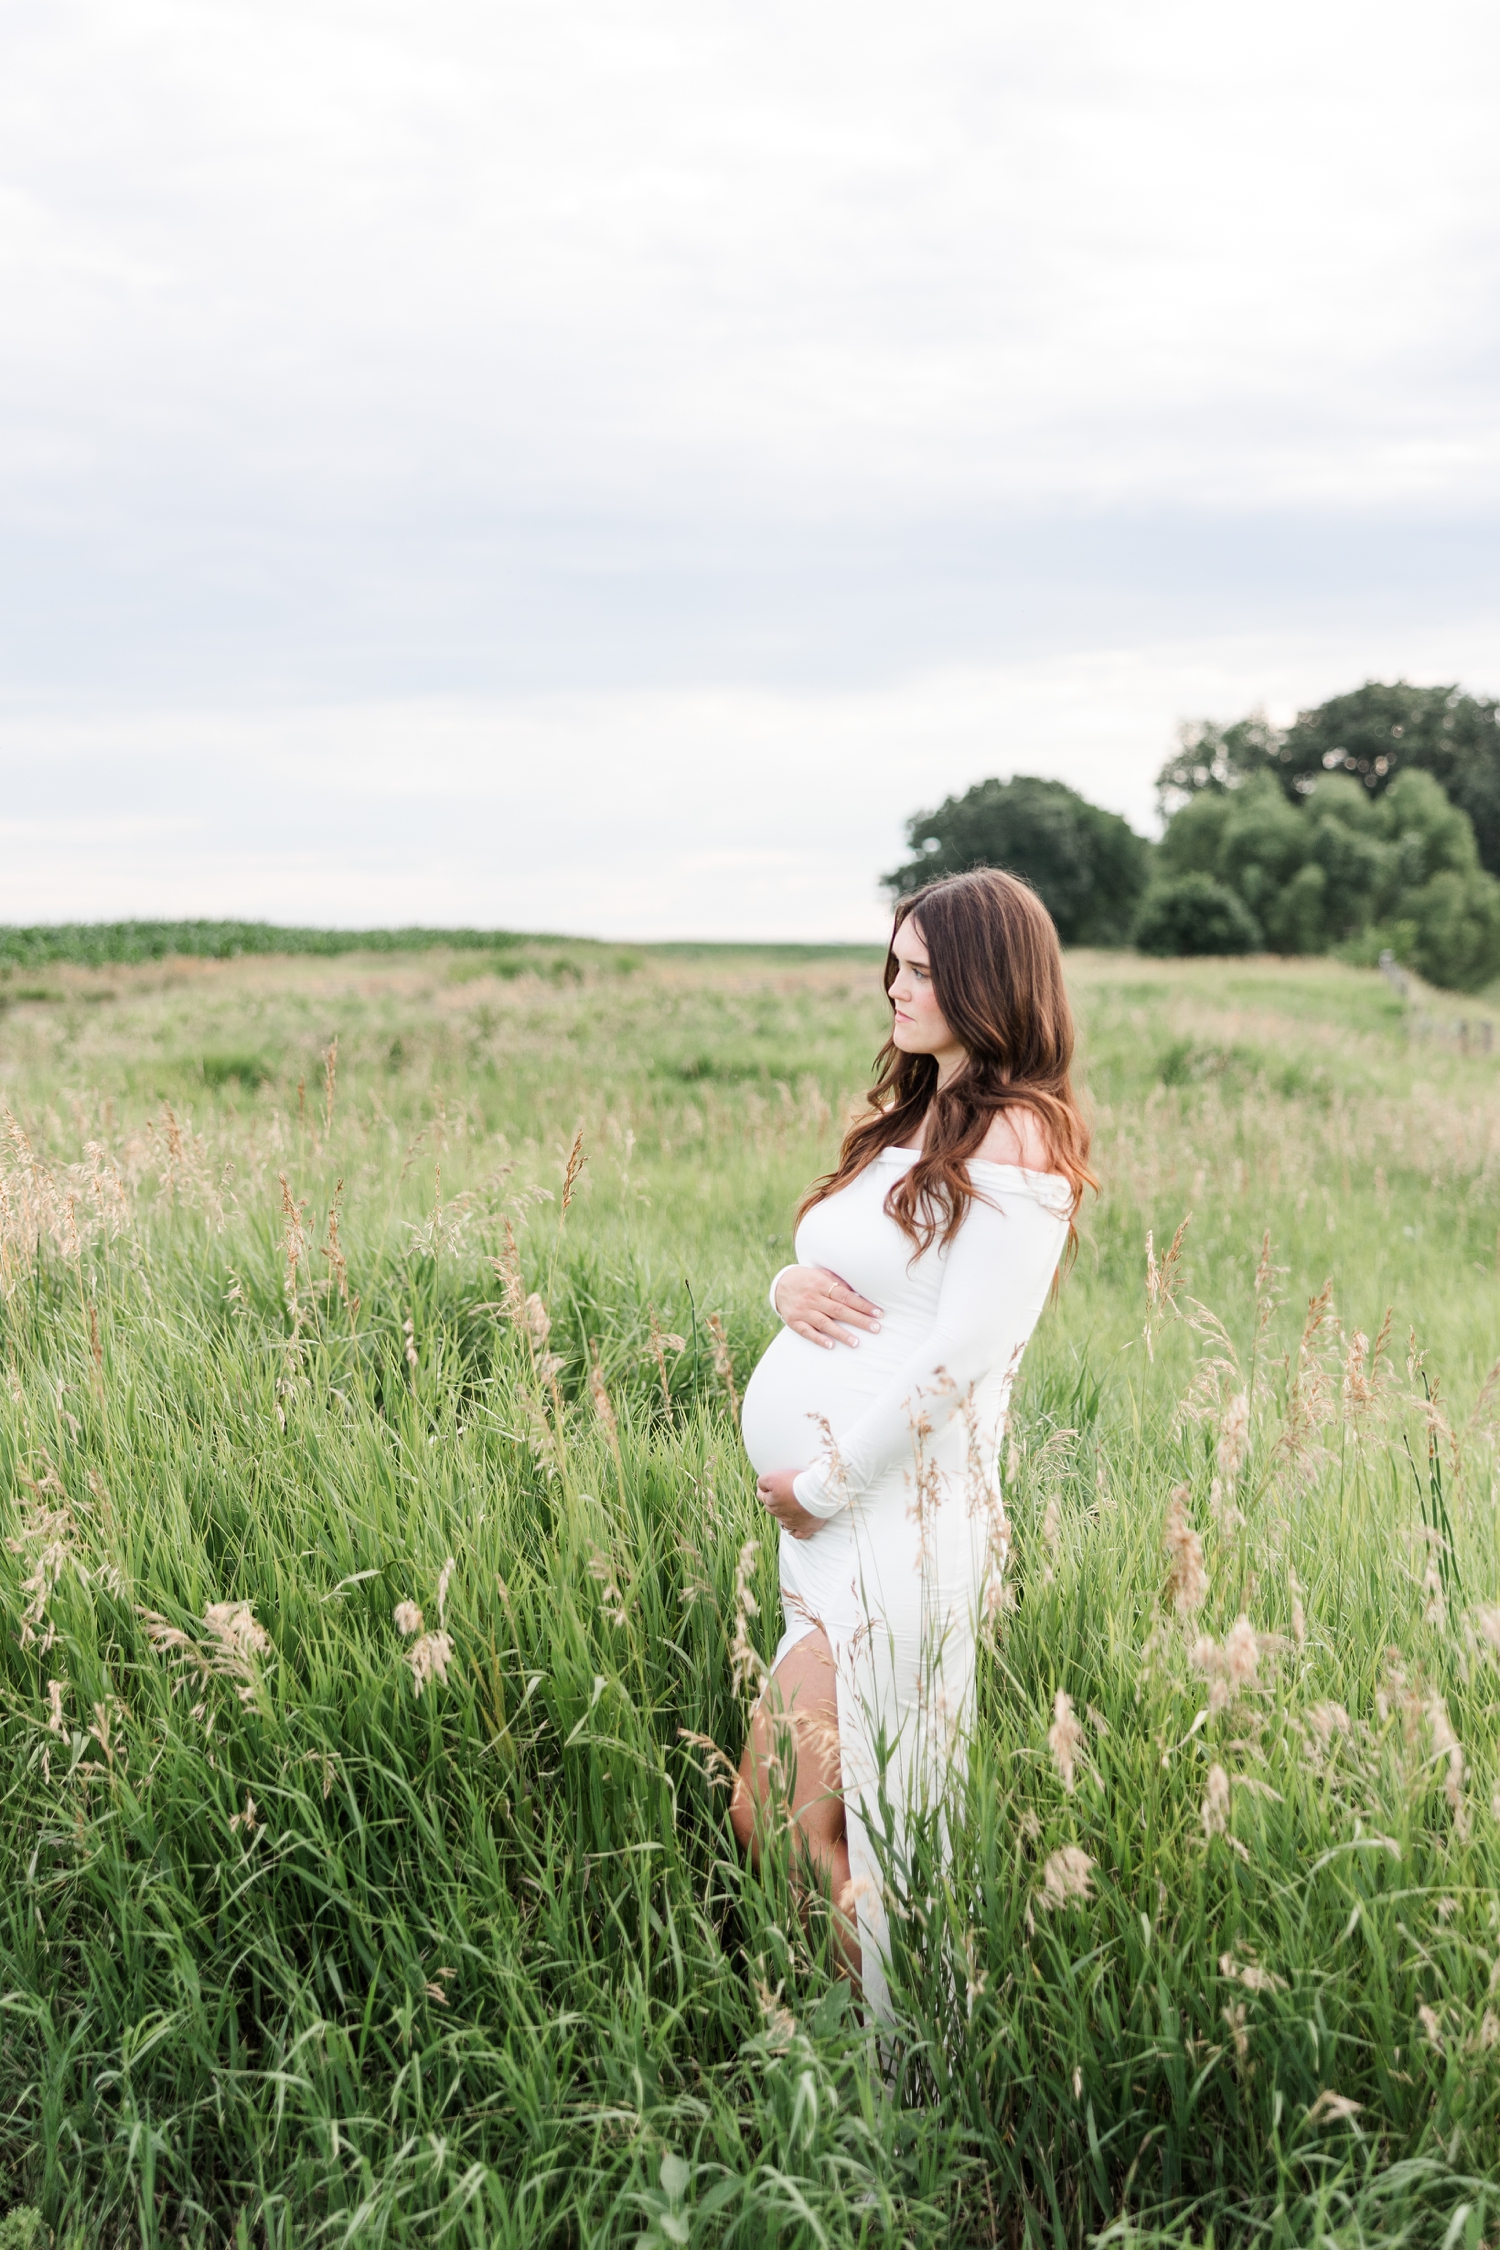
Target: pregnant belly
[796,1383]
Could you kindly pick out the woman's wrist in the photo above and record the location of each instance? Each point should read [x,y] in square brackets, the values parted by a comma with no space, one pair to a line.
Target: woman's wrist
[777,1280]
[811,1493]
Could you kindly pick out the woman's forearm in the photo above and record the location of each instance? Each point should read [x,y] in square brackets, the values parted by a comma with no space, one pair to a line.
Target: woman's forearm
[995,1283]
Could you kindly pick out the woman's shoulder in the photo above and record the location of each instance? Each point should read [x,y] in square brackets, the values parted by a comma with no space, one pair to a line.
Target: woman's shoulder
[1015,1137]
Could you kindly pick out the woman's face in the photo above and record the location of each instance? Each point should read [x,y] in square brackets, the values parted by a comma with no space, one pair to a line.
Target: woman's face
[919,1026]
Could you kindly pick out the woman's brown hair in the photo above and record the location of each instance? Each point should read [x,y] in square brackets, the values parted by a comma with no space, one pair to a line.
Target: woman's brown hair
[997,976]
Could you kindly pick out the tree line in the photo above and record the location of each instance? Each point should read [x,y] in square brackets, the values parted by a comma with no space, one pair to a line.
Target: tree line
[1370,824]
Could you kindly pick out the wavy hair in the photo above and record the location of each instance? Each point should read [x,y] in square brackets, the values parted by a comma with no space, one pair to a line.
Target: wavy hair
[997,976]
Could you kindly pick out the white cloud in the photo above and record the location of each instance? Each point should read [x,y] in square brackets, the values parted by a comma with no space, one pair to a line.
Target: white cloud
[693,813]
[849,256]
[607,465]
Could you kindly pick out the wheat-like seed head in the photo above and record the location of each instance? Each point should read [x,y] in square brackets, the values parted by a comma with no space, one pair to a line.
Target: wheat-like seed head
[780,2023]
[575,1164]
[294,1250]
[1326,1721]
[234,1627]
[661,1344]
[1241,1652]
[1250,1974]
[1445,1744]
[1162,1283]
[429,1659]
[1333,2108]
[333,1250]
[1309,1395]
[599,1393]
[508,1266]
[611,1601]
[1067,1879]
[831,1464]
[1065,1738]
[1187,1579]
[232,1650]
[718,1769]
[746,1663]
[1234,1438]
[723,1364]
[817,1731]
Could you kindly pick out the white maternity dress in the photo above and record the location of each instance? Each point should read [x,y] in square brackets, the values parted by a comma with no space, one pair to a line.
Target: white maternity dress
[898,1442]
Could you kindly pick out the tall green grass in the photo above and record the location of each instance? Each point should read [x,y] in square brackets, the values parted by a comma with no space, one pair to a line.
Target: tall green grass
[291,1953]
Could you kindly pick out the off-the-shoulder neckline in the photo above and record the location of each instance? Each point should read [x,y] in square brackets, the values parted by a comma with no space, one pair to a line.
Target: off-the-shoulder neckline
[1021,1171]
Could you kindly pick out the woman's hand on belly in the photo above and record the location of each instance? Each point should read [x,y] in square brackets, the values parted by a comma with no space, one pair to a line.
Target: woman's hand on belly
[820,1305]
[779,1499]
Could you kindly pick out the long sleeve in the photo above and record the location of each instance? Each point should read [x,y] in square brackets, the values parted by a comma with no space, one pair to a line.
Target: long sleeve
[996,1275]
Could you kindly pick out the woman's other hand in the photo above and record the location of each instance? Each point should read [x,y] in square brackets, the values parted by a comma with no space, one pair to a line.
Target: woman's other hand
[821,1306]
[778,1497]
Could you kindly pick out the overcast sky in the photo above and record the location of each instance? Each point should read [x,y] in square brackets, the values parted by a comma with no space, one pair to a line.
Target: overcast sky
[605,466]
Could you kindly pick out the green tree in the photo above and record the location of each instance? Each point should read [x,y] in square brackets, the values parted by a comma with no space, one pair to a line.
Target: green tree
[1196,913]
[1217,759]
[1088,866]
[1349,843]
[1380,732]
[1373,735]
[1449,930]
[1443,909]
[1265,857]
[1334,866]
[1431,836]
[1262,848]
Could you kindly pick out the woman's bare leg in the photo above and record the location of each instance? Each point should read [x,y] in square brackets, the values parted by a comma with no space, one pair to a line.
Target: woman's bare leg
[793,1752]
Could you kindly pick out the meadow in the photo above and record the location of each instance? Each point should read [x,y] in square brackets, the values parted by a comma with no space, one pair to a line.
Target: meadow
[383,1592]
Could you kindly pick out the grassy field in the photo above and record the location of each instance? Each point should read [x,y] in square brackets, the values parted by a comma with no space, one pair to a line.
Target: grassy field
[319,1924]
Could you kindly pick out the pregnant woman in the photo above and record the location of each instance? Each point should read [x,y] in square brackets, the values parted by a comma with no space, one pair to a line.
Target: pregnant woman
[874,1420]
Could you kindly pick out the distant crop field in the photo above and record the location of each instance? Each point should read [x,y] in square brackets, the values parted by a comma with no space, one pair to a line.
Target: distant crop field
[378,1546]
[96,944]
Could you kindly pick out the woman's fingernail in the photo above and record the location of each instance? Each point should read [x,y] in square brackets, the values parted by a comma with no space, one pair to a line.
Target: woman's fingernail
[874,1328]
